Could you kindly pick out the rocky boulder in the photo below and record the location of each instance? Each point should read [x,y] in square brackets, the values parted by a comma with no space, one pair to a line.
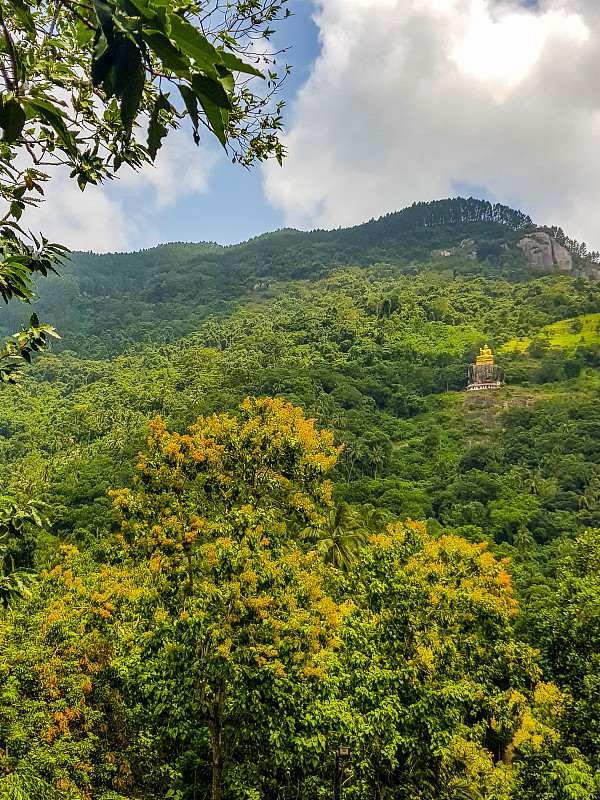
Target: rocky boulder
[544,252]
[485,373]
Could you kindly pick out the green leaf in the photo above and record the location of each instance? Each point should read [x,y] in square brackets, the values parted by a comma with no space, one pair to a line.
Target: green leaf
[12,120]
[211,89]
[235,64]
[226,79]
[104,12]
[191,104]
[84,34]
[194,44]
[53,116]
[127,62]
[103,58]
[169,55]
[129,80]
[156,130]
[23,14]
[215,117]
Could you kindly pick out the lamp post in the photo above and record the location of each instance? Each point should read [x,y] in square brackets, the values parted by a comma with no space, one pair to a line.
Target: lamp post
[341,754]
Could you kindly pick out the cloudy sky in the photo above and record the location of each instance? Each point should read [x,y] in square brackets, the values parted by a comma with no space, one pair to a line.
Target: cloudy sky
[391,101]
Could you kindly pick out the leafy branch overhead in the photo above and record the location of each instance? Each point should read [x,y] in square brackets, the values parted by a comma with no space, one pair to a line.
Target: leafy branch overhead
[78,80]
[18,349]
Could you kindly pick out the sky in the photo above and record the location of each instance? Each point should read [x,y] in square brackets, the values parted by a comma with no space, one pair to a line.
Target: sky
[389,102]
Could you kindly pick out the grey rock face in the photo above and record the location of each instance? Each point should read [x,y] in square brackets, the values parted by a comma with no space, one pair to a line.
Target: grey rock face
[543,252]
[485,373]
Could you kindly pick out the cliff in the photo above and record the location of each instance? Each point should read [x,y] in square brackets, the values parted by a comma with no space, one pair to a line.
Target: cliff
[485,373]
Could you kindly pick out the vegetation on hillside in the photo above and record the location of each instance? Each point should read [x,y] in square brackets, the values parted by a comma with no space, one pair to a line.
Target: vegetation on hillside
[206,593]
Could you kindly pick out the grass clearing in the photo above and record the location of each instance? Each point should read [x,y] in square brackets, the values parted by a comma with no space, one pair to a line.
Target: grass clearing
[567,334]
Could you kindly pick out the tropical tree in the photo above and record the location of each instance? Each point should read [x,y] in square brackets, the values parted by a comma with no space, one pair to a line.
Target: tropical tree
[242,627]
[77,79]
[65,730]
[339,536]
[437,689]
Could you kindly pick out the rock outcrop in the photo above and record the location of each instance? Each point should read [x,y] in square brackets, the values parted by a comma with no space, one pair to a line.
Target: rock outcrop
[466,248]
[485,373]
[544,252]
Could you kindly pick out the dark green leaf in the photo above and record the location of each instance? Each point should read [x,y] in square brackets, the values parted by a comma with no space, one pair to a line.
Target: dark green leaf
[169,55]
[104,12]
[128,60]
[211,89]
[156,130]
[235,64]
[131,97]
[191,103]
[12,120]
[102,59]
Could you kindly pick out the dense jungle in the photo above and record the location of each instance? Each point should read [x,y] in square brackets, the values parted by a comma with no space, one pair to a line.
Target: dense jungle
[250,513]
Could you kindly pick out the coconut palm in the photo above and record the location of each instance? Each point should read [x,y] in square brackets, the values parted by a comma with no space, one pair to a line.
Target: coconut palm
[354,453]
[372,519]
[522,539]
[16,586]
[340,537]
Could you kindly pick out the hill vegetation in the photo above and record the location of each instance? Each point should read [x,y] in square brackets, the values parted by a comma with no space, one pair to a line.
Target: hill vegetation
[228,608]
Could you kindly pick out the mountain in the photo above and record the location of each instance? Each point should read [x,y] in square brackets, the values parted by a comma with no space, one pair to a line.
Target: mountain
[165,292]
[371,331]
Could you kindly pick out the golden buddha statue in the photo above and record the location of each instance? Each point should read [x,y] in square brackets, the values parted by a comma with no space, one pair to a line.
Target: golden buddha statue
[485,355]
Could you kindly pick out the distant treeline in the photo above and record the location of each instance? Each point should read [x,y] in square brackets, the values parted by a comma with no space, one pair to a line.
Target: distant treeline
[460,209]
[573,245]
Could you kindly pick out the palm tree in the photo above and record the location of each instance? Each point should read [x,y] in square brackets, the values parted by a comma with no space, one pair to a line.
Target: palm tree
[522,539]
[340,537]
[376,458]
[354,452]
[536,481]
[16,586]
[372,519]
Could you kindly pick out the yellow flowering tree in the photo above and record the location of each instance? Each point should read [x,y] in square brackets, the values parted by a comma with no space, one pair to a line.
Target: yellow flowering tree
[65,729]
[243,630]
[441,696]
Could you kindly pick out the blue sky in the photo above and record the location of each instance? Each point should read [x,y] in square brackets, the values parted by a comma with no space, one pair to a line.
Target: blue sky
[389,102]
[235,208]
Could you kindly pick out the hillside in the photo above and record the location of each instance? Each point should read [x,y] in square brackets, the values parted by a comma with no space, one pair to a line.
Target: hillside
[369,340]
[227,551]
[103,303]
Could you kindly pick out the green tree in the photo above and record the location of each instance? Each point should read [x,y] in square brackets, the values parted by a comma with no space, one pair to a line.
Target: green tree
[339,536]
[436,685]
[77,78]
[242,622]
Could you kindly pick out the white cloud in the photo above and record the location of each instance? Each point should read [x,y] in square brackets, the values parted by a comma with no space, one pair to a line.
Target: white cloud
[123,214]
[410,99]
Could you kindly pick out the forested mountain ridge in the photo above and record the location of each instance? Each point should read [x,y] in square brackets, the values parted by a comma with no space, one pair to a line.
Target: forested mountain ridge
[165,292]
[349,617]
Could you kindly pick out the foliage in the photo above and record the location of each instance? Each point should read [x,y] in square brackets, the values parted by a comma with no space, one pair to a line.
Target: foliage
[245,627]
[229,538]
[65,730]
[77,79]
[32,339]
[437,686]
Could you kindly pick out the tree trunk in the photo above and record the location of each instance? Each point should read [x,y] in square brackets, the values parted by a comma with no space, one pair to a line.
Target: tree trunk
[215,723]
